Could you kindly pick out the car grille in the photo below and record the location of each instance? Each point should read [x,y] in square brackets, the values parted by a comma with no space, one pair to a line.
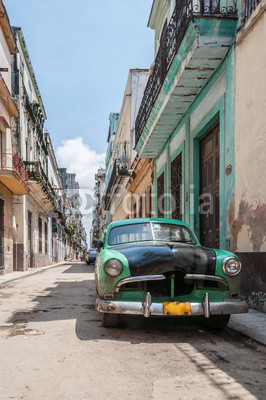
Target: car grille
[163,288]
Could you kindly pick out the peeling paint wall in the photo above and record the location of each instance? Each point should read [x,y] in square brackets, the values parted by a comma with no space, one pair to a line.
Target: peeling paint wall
[248,208]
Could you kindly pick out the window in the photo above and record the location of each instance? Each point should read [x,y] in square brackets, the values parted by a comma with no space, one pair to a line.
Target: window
[160,195]
[176,187]
[40,235]
[140,207]
[148,208]
[46,237]
[130,233]
[22,70]
[141,232]
[173,233]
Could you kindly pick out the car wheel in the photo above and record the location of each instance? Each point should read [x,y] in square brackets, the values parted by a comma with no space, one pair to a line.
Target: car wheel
[88,263]
[110,320]
[134,322]
[217,322]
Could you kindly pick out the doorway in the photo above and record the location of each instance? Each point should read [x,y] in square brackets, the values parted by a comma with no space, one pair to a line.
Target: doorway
[30,255]
[209,188]
[2,231]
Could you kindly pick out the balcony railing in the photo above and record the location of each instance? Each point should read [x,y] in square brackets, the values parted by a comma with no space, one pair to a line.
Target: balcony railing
[12,162]
[184,11]
[37,173]
[248,8]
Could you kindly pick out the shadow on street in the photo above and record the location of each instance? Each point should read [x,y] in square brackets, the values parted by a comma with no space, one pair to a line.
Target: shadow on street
[73,298]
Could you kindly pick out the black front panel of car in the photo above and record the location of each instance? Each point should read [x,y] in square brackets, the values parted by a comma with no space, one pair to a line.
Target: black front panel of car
[159,258]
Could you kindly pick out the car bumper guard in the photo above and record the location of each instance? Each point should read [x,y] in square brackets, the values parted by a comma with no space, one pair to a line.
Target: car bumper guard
[148,308]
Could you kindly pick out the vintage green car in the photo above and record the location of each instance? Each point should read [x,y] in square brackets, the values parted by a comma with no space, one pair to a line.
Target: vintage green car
[157,267]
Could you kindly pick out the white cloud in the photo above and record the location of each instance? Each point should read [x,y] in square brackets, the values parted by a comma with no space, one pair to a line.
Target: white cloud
[80,159]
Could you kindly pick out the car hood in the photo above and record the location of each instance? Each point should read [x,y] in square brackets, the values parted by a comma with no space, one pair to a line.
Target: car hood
[160,257]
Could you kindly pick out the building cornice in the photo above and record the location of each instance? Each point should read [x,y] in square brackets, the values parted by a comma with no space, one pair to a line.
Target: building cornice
[7,30]
[30,68]
[158,8]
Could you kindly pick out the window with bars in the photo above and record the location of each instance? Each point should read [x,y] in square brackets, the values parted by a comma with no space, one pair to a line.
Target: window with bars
[176,187]
[40,235]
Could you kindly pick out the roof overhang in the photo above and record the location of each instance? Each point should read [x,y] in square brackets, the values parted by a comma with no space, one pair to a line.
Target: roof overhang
[7,30]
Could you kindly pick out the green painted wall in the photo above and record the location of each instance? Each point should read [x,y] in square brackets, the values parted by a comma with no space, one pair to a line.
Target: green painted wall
[224,110]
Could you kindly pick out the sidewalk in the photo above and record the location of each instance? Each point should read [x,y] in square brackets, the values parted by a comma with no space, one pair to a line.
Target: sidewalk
[13,276]
[252,324]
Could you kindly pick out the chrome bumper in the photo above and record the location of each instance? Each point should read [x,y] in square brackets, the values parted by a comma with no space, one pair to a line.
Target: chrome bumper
[148,308]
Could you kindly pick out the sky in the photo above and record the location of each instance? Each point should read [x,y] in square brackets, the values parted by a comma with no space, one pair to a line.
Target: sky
[81,53]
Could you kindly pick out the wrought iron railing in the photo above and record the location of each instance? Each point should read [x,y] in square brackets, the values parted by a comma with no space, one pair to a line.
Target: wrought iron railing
[184,11]
[248,8]
[11,161]
[36,173]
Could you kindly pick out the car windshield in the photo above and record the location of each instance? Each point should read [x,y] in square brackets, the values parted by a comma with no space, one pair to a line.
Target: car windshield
[172,233]
[147,232]
[130,233]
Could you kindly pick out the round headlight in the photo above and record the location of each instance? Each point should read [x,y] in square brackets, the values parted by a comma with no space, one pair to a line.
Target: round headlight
[231,266]
[113,268]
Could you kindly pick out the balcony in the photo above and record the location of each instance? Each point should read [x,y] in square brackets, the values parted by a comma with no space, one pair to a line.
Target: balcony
[40,185]
[118,175]
[13,173]
[196,41]
[248,7]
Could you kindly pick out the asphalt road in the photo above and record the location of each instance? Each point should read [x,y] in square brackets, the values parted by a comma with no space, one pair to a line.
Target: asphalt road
[53,347]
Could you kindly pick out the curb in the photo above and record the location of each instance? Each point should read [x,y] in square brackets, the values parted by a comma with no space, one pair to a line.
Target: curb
[31,272]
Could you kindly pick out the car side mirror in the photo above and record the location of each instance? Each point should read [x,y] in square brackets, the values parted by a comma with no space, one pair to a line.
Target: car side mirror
[98,244]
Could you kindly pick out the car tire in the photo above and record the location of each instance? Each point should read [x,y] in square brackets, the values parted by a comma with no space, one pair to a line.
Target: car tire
[217,322]
[135,322]
[110,320]
[88,263]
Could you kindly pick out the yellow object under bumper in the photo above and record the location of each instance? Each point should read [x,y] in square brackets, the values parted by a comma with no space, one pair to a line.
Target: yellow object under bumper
[176,308]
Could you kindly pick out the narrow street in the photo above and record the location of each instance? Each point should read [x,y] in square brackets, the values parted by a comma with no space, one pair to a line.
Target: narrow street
[53,346]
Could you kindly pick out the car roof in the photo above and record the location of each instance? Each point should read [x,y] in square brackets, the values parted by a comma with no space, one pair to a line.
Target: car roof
[143,220]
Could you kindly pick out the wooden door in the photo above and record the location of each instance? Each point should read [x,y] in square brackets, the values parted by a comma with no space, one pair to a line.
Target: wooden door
[2,231]
[209,188]
[30,255]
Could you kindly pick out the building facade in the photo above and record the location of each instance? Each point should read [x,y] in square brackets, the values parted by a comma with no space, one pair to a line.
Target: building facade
[190,120]
[247,212]
[34,206]
[76,240]
[118,197]
[99,214]
[13,177]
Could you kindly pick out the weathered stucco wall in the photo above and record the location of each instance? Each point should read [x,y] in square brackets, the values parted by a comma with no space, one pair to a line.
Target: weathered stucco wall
[6,195]
[248,208]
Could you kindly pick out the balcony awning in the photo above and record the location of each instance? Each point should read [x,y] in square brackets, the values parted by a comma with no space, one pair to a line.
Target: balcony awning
[202,50]
[13,182]
[6,98]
